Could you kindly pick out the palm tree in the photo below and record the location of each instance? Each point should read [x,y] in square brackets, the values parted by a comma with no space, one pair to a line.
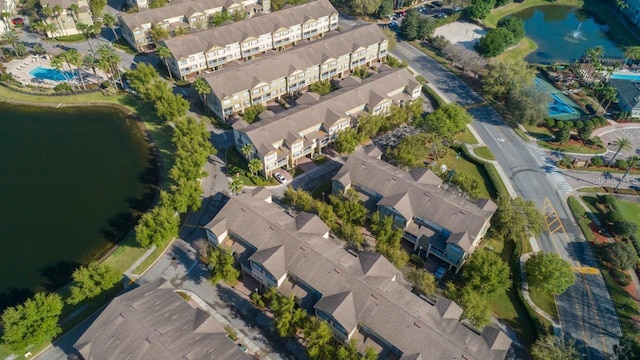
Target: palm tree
[158,33]
[87,31]
[202,87]
[5,18]
[74,57]
[620,144]
[47,12]
[58,63]
[111,22]
[254,166]
[593,55]
[89,60]
[235,185]
[632,52]
[632,161]
[610,94]
[11,36]
[57,10]
[246,150]
[75,9]
[164,53]
[108,61]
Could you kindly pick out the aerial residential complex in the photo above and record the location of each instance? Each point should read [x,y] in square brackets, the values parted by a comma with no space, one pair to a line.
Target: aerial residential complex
[632,10]
[244,40]
[362,295]
[152,323]
[65,22]
[194,14]
[628,95]
[436,222]
[280,73]
[280,140]
[6,7]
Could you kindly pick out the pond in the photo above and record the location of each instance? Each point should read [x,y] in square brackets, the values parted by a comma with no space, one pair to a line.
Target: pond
[72,181]
[563,33]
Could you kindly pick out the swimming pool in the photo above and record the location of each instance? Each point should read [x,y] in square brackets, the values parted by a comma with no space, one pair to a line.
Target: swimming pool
[621,76]
[560,106]
[51,74]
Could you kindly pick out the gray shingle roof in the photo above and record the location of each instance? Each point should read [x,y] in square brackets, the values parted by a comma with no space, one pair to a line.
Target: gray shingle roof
[158,15]
[238,31]
[365,289]
[266,132]
[629,90]
[276,65]
[424,198]
[153,322]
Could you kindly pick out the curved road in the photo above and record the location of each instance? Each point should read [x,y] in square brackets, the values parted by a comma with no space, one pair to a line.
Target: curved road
[586,311]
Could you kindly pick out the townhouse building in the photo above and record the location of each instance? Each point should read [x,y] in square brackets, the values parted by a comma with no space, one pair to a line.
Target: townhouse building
[6,7]
[304,130]
[153,322]
[245,40]
[632,11]
[280,73]
[436,222]
[628,96]
[362,296]
[186,14]
[65,21]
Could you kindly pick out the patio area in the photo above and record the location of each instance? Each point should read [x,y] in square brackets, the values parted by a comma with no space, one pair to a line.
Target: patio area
[22,70]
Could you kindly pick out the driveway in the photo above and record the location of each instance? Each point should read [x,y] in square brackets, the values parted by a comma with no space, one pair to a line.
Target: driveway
[612,133]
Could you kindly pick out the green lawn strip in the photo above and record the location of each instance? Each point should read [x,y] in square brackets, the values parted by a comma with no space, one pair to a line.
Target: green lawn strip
[631,212]
[526,246]
[571,147]
[436,99]
[538,132]
[492,19]
[126,254]
[544,300]
[484,153]
[432,54]
[237,166]
[71,38]
[522,134]
[507,305]
[520,51]
[579,214]
[591,190]
[146,263]
[493,182]
[467,137]
[625,305]
[325,188]
[465,165]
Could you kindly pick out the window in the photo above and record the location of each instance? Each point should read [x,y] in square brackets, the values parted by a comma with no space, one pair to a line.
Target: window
[334,63]
[192,58]
[235,97]
[226,102]
[221,51]
[256,91]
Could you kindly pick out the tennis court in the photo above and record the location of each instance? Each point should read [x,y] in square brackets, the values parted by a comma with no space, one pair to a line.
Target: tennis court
[560,107]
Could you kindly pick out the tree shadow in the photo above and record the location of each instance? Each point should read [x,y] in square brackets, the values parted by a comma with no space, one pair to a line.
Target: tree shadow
[58,275]
[14,296]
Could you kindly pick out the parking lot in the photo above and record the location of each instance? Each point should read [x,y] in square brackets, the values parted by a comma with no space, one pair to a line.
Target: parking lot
[436,10]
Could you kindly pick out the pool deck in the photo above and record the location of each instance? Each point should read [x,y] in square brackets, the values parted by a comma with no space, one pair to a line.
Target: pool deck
[20,69]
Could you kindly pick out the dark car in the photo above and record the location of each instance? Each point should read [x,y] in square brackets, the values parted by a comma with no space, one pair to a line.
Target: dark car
[437,3]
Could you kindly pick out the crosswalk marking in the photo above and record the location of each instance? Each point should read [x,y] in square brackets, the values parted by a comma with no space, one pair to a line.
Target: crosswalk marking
[541,156]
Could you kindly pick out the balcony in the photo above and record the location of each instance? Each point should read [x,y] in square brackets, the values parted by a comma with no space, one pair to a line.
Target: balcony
[250,52]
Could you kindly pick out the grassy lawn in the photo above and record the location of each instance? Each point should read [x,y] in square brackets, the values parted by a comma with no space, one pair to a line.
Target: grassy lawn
[325,188]
[631,212]
[524,48]
[506,305]
[544,300]
[538,132]
[236,164]
[626,307]
[579,214]
[467,137]
[146,263]
[484,153]
[571,147]
[497,14]
[464,165]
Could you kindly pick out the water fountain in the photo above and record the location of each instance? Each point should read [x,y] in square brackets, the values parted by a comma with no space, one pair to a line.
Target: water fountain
[575,36]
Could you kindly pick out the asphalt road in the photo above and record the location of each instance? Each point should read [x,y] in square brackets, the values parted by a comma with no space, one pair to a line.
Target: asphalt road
[586,311]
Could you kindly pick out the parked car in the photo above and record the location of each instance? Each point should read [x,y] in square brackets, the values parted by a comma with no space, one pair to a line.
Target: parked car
[437,3]
[440,272]
[18,21]
[281,179]
[441,16]
[457,9]
[393,24]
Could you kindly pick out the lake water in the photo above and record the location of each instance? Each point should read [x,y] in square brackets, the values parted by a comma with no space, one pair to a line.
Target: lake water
[563,33]
[70,182]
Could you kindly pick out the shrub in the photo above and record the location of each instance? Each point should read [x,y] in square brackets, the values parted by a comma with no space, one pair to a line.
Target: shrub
[625,228]
[615,216]
[610,201]
[251,113]
[550,122]
[621,164]
[416,260]
[579,125]
[62,87]
[596,161]
[621,277]
[569,124]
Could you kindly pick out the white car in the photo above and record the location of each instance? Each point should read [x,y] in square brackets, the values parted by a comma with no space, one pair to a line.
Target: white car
[281,179]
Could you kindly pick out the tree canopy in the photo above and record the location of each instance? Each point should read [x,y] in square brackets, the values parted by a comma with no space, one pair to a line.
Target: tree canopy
[446,121]
[549,272]
[516,219]
[388,239]
[157,227]
[620,255]
[551,347]
[32,323]
[91,281]
[486,273]
[476,307]
[411,151]
[505,77]
[422,281]
[222,265]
